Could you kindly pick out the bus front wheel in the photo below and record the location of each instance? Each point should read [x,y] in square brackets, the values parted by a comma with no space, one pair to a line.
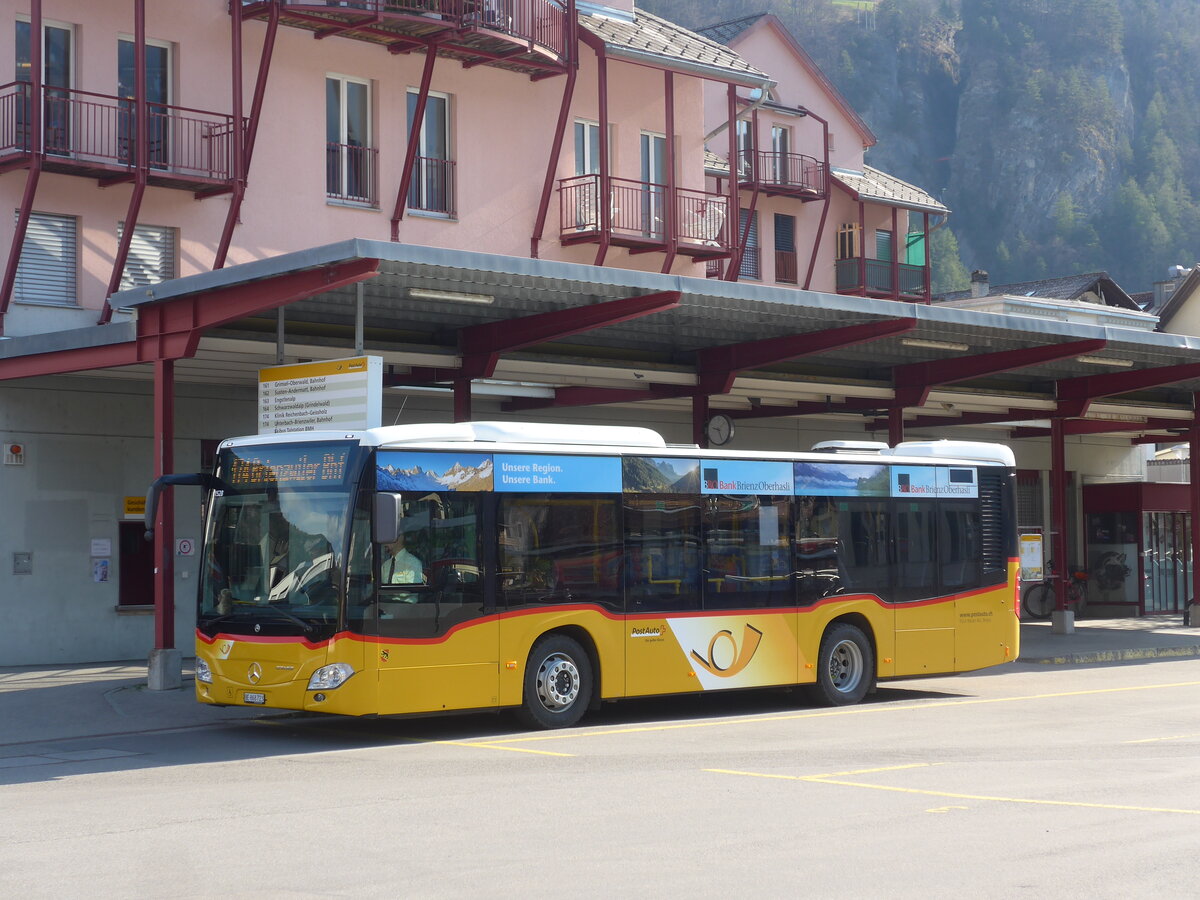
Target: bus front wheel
[558,683]
[845,667]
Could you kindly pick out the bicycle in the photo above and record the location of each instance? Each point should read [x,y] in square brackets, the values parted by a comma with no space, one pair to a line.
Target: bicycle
[1039,599]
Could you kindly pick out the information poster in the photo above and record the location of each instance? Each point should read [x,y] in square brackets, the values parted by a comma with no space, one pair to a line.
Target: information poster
[331,395]
[1032,559]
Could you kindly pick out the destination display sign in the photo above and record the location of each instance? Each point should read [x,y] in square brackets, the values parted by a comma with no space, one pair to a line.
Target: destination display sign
[285,465]
[330,395]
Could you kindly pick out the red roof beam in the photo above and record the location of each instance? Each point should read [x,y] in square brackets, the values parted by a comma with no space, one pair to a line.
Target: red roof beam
[1100,426]
[1077,393]
[717,366]
[914,380]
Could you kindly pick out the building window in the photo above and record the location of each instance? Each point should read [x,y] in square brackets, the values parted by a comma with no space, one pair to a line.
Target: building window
[781,149]
[848,241]
[745,147]
[883,244]
[587,148]
[58,43]
[432,188]
[158,98]
[654,181]
[350,160]
[48,269]
[751,266]
[152,255]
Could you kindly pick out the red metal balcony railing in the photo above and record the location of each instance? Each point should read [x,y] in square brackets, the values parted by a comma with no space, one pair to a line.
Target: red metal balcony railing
[790,173]
[433,188]
[541,22]
[702,218]
[637,214]
[90,130]
[911,282]
[352,173]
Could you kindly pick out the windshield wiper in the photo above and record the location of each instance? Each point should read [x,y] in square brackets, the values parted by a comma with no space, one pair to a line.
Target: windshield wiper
[307,626]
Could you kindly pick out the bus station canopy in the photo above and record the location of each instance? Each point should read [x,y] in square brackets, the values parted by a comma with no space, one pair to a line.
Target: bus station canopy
[542,335]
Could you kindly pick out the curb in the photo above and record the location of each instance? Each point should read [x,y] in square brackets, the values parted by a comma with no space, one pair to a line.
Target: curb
[1102,656]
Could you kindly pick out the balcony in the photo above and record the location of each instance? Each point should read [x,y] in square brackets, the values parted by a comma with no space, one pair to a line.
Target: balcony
[433,186]
[352,174]
[783,174]
[94,136]
[910,283]
[527,36]
[637,217]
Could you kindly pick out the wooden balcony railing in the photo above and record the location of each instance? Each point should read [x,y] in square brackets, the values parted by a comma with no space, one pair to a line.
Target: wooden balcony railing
[637,215]
[784,173]
[352,173]
[911,284]
[433,188]
[93,133]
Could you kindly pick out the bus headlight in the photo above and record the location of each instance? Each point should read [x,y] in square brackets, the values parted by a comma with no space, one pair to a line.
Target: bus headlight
[329,677]
[203,672]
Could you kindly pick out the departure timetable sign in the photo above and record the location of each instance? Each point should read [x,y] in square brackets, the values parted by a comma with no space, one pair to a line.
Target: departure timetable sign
[330,395]
[286,465]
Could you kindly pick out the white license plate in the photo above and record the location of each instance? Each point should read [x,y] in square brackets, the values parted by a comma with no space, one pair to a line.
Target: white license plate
[249,697]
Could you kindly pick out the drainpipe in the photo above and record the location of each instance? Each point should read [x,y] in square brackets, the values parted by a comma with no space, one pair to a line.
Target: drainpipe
[670,225]
[564,113]
[812,261]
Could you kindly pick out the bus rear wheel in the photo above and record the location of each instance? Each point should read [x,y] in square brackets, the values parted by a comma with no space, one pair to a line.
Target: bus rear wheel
[558,683]
[845,667]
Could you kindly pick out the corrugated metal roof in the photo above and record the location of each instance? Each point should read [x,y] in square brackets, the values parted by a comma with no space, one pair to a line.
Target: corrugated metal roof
[649,36]
[872,184]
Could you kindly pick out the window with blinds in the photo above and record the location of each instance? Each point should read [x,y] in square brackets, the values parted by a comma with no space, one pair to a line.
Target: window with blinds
[751,265]
[48,269]
[152,255]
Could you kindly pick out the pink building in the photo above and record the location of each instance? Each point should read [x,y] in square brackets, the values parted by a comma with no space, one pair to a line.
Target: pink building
[513,100]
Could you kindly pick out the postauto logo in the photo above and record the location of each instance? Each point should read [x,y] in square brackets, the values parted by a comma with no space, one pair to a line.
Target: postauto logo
[725,658]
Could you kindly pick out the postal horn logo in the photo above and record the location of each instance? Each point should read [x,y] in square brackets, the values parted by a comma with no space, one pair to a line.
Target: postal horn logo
[725,658]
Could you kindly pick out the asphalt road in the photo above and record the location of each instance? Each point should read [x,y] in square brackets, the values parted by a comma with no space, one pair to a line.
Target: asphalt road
[1028,781]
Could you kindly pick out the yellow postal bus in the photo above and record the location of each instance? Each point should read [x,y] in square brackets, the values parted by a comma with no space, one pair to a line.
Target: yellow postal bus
[549,568]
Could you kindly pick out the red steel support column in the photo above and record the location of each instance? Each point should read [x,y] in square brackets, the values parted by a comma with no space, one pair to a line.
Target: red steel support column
[142,167]
[1058,511]
[699,419]
[164,532]
[928,267]
[36,140]
[462,400]
[414,140]
[560,130]
[862,247]
[895,253]
[735,203]
[1194,497]
[670,225]
[605,198]
[812,262]
[895,425]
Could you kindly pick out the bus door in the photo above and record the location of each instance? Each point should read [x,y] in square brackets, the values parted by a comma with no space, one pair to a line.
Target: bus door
[438,640]
[925,619]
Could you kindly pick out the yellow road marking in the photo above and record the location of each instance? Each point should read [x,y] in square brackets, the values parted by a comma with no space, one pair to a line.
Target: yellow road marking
[833,779]
[1173,737]
[840,711]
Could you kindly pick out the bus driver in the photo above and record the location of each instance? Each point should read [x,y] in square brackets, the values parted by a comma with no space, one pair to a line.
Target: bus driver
[400,566]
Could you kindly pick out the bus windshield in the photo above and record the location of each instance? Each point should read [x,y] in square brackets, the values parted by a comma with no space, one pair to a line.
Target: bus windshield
[274,540]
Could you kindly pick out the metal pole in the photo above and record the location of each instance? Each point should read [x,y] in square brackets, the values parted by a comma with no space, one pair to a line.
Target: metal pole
[1058,511]
[164,533]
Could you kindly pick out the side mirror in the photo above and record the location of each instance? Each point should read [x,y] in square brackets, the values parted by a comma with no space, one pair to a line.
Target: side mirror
[389,510]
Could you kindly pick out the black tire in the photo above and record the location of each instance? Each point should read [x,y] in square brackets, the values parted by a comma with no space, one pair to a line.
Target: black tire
[845,667]
[558,683]
[1038,602]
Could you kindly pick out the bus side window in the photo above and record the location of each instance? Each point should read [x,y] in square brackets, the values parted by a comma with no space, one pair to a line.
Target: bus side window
[959,546]
[662,542]
[864,546]
[818,571]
